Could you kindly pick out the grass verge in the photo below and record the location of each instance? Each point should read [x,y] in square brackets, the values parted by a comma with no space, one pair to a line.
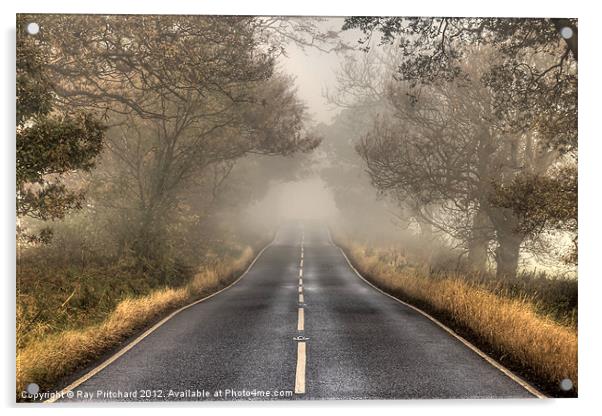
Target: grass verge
[512,330]
[47,359]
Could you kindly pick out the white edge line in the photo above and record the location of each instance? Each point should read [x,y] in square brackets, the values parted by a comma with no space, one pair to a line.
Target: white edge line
[520,381]
[146,333]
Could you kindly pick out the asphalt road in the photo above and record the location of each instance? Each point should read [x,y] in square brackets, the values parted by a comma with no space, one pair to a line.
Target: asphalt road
[240,344]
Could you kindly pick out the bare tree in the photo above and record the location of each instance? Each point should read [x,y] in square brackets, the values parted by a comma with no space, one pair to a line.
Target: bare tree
[444,150]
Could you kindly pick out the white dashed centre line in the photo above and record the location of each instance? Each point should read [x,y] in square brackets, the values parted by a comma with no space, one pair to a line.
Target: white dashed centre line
[301,320]
[300,375]
[301,347]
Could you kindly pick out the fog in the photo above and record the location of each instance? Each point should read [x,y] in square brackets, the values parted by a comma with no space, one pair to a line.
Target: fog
[306,200]
[442,159]
[315,71]
[347,93]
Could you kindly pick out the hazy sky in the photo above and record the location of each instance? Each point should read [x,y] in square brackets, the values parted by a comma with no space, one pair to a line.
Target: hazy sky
[315,71]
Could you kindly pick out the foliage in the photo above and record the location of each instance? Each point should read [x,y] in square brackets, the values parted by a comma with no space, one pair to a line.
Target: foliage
[543,202]
[49,144]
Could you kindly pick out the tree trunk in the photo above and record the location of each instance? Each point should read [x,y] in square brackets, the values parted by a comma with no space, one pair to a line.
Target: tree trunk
[479,241]
[426,237]
[507,253]
[146,239]
[481,232]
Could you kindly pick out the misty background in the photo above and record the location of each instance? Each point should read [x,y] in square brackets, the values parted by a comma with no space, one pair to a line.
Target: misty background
[321,76]
[347,101]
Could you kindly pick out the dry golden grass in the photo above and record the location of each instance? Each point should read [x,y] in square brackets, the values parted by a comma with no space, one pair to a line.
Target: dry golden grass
[47,359]
[511,327]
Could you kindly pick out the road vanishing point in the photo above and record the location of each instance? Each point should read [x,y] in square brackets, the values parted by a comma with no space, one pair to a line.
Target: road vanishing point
[299,325]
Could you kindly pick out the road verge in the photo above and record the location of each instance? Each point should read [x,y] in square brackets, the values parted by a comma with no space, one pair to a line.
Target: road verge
[51,360]
[542,351]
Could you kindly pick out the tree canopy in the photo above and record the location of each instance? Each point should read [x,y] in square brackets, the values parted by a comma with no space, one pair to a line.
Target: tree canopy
[51,142]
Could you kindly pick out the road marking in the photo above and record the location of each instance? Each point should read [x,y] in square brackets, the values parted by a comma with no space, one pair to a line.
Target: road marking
[300,374]
[301,356]
[523,383]
[301,320]
[149,331]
